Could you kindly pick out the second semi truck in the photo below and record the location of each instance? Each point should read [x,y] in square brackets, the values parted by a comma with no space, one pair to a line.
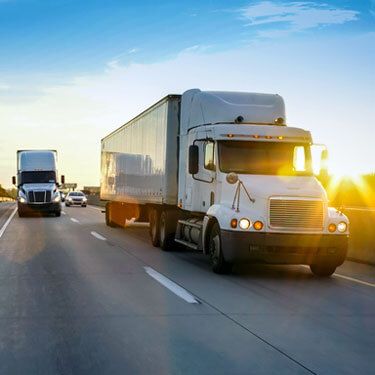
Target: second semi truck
[37,182]
[221,173]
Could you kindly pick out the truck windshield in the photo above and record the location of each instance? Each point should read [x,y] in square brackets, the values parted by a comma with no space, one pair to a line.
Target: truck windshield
[265,158]
[38,177]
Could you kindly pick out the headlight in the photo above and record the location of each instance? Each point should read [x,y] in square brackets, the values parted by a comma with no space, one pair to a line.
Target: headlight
[84,199]
[342,226]
[244,223]
[22,200]
[57,198]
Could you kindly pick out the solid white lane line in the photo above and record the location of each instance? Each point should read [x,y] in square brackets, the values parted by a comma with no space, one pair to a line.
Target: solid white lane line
[351,279]
[354,280]
[98,236]
[172,286]
[2,230]
[74,220]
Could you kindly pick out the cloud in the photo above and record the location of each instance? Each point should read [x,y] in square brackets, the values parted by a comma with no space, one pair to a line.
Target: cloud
[294,17]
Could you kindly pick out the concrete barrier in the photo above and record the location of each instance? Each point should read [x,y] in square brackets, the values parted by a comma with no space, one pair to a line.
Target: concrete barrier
[362,234]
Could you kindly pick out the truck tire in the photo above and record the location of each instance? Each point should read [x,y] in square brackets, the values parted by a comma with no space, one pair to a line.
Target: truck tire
[322,270]
[154,219]
[57,213]
[167,230]
[219,265]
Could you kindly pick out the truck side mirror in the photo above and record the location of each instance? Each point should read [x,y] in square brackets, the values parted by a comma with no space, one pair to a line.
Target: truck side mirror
[193,159]
[62,179]
[14,182]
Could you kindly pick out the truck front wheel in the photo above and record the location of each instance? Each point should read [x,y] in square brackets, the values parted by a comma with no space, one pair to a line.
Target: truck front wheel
[322,270]
[154,219]
[219,265]
[166,231]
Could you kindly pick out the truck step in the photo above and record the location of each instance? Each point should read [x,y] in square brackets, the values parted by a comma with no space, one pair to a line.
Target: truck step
[188,244]
[190,224]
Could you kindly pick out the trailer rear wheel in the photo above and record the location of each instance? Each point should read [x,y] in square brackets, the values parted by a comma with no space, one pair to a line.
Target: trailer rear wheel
[219,265]
[154,219]
[167,230]
[322,270]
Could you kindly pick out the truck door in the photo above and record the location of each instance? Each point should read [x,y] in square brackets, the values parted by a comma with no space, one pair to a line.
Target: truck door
[200,187]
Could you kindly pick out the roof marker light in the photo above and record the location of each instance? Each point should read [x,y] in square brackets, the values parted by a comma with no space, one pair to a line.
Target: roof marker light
[279,121]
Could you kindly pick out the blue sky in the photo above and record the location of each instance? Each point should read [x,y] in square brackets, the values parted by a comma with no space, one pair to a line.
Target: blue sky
[91,65]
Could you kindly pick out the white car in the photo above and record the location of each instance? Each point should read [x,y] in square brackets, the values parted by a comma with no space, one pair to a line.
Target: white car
[76,198]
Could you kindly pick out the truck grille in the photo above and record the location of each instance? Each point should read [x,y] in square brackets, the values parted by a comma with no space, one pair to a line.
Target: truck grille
[40,196]
[292,213]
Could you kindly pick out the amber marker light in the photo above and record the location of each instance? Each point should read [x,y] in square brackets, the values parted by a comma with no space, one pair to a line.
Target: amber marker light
[268,137]
[280,137]
[332,228]
[256,136]
[258,225]
[233,223]
[230,135]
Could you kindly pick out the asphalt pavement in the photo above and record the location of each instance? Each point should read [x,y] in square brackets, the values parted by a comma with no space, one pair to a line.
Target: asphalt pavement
[77,297]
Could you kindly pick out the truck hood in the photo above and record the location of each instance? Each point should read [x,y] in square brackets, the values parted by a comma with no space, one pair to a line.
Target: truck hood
[264,187]
[45,186]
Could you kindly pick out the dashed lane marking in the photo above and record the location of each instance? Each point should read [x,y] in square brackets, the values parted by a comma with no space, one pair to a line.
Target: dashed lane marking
[98,236]
[74,220]
[172,286]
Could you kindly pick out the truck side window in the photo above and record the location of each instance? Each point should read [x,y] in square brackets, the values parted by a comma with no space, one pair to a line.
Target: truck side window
[209,156]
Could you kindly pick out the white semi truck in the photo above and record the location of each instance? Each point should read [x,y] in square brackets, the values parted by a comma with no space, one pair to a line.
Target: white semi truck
[221,173]
[37,182]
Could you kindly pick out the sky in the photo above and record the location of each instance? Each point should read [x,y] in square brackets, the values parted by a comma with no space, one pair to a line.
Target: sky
[71,71]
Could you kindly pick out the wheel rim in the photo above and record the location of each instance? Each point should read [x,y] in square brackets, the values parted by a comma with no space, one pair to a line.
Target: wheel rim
[153,225]
[162,228]
[215,248]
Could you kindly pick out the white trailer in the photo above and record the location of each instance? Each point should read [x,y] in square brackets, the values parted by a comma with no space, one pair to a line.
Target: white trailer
[37,182]
[221,173]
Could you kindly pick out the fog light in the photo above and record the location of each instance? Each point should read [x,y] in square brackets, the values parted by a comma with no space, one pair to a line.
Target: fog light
[233,223]
[245,223]
[22,200]
[332,227]
[341,227]
[258,225]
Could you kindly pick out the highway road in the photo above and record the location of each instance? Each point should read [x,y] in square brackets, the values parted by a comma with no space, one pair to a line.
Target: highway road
[77,297]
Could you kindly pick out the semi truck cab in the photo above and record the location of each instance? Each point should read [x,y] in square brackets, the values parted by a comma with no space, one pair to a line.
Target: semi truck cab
[37,182]
[253,178]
